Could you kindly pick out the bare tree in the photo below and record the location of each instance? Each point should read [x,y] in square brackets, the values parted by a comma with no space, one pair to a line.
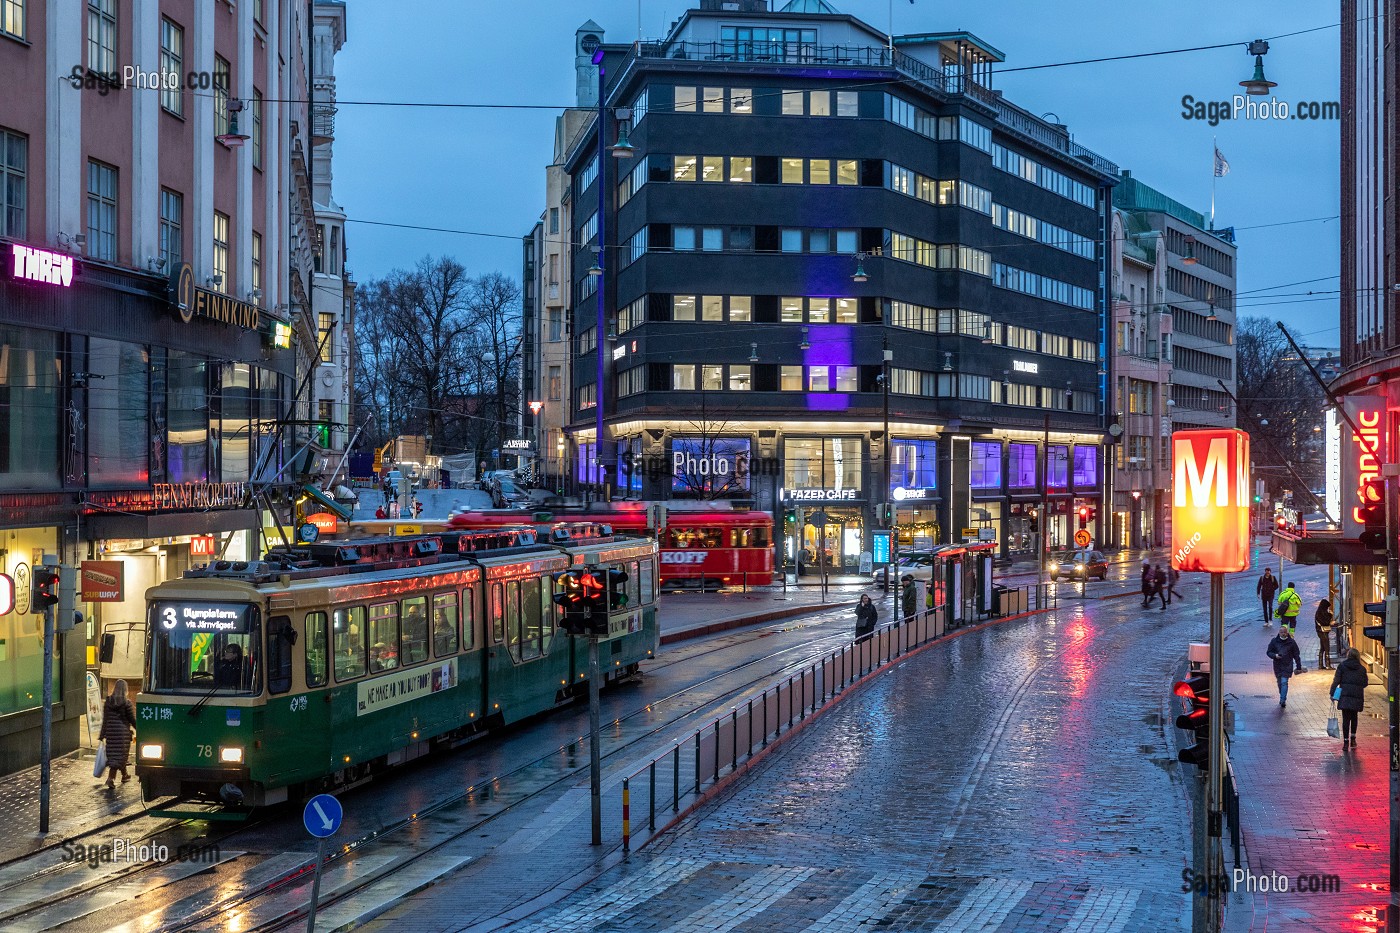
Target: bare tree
[1281,406]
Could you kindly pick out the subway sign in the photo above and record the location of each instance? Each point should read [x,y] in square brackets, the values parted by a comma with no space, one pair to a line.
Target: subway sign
[1210,500]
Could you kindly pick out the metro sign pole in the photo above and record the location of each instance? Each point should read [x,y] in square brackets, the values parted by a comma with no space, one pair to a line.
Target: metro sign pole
[1210,534]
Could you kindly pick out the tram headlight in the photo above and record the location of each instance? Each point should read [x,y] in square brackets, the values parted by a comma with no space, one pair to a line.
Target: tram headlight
[153,752]
[231,755]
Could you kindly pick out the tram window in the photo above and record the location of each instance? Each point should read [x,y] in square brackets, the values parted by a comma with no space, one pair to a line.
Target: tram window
[633,585]
[413,631]
[711,538]
[348,626]
[531,622]
[315,649]
[182,661]
[444,624]
[280,638]
[468,619]
[549,615]
[383,637]
[513,617]
[647,582]
[756,536]
[498,614]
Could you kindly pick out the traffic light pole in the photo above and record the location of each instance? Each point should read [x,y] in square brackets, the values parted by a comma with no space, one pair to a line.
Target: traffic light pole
[45,737]
[1392,661]
[1215,774]
[595,767]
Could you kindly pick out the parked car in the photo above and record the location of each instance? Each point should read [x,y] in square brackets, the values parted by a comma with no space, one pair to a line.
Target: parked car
[910,562]
[1079,565]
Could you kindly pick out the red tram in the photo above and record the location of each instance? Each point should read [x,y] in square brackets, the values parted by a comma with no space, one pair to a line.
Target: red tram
[698,548]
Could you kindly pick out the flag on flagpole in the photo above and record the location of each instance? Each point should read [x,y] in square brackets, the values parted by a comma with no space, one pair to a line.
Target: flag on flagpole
[1222,168]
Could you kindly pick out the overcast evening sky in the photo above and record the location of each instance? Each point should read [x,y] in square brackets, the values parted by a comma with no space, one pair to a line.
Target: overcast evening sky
[483,170]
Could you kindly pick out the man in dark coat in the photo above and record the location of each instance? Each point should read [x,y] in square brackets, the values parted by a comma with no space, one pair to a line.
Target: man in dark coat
[909,598]
[1351,677]
[1148,576]
[1283,649]
[1266,588]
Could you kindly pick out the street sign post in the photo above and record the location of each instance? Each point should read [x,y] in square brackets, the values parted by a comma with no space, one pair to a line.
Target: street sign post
[1210,533]
[321,817]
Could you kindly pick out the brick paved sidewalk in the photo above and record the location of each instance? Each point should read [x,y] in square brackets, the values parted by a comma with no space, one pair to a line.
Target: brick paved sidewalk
[1306,806]
[77,803]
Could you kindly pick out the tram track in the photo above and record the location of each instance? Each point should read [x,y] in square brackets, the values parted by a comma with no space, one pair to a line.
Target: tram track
[754,671]
[485,791]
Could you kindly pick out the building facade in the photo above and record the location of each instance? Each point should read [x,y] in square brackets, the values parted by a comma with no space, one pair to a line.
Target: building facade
[1173,315]
[837,272]
[1368,384]
[154,302]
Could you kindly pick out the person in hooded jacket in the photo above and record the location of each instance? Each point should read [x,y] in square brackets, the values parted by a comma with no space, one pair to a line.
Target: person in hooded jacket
[1351,677]
[1283,649]
[865,617]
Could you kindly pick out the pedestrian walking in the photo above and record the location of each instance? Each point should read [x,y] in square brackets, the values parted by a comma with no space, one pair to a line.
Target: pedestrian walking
[865,618]
[1289,605]
[380,513]
[118,721]
[909,597]
[1266,588]
[1322,621]
[1283,649]
[1173,578]
[1349,690]
[1147,578]
[388,489]
[1159,585]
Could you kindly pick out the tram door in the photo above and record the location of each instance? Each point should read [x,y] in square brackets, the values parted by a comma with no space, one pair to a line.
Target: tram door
[523,672]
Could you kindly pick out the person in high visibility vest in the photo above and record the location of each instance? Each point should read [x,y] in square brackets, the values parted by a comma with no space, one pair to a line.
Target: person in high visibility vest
[1289,605]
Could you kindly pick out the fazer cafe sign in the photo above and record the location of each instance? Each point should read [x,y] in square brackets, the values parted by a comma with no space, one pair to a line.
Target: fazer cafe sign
[818,495]
[191,302]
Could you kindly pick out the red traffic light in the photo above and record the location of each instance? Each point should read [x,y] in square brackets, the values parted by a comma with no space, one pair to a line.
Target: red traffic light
[45,588]
[1084,511]
[1184,689]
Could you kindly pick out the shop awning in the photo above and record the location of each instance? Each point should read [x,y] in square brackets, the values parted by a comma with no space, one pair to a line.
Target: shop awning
[116,526]
[335,508]
[1323,548]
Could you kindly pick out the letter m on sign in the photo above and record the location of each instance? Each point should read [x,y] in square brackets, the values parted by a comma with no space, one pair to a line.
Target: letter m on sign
[1210,500]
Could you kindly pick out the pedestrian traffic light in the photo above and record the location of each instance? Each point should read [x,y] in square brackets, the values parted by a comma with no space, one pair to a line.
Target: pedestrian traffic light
[568,595]
[1195,690]
[45,587]
[1083,516]
[1388,612]
[617,588]
[1371,514]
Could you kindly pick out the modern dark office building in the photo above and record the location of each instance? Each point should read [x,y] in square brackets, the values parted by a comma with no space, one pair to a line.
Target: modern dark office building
[838,270]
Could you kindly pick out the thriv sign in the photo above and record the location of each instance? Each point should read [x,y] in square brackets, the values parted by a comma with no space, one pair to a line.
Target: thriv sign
[1210,500]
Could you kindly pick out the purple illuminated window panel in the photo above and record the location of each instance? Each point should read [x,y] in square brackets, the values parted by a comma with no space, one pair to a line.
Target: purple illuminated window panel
[1058,467]
[1022,469]
[1086,468]
[986,465]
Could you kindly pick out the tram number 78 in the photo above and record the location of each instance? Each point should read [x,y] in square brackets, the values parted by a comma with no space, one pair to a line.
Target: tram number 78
[204,751]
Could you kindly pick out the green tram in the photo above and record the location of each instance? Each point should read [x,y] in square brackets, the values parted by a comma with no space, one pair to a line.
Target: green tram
[319,665]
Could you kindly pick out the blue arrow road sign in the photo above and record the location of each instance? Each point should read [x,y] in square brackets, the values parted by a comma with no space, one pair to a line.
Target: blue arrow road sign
[322,816]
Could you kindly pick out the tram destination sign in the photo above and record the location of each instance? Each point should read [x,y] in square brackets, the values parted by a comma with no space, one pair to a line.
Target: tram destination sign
[401,686]
[204,618]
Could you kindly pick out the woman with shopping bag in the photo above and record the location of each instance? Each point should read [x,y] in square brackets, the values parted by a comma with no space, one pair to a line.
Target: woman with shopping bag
[118,721]
[1349,692]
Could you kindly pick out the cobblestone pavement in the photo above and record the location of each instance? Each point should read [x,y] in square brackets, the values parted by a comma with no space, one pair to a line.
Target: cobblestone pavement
[1017,777]
[1310,809]
[77,803]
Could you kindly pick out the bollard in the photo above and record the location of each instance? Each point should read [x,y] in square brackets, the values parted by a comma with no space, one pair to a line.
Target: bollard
[676,779]
[626,816]
[651,802]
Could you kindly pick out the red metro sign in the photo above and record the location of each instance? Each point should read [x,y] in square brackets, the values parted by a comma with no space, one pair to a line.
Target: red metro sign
[1210,500]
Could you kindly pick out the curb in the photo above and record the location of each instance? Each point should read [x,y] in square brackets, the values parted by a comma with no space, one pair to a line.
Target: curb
[725,625]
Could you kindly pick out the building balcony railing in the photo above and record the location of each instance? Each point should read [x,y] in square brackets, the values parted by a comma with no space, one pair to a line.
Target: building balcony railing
[801,53]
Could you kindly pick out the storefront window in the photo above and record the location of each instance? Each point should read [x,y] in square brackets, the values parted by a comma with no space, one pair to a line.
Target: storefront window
[1057,467]
[1086,467]
[236,413]
[710,466]
[187,448]
[587,470]
[1021,469]
[22,636]
[914,464]
[629,463]
[29,421]
[118,411]
[822,463]
[986,465]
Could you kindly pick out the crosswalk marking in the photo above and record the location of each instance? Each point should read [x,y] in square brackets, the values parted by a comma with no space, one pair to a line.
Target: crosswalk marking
[1103,910]
[610,902]
[985,906]
[757,894]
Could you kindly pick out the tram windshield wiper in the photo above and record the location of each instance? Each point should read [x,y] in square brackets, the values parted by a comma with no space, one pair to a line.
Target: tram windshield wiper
[194,710]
